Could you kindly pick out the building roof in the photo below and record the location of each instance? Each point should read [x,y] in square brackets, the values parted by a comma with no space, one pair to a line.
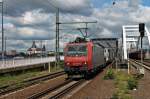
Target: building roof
[33,45]
[44,48]
[34,49]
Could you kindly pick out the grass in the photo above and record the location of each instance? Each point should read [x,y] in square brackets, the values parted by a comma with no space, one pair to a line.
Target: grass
[8,79]
[109,74]
[123,82]
[11,79]
[57,68]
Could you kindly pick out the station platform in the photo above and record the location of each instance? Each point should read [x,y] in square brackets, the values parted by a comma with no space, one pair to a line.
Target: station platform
[13,65]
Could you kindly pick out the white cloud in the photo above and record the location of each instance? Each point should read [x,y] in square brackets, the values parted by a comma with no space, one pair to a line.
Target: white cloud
[35,16]
[31,33]
[142,15]
[9,26]
[26,31]
[18,7]
[70,5]
[37,24]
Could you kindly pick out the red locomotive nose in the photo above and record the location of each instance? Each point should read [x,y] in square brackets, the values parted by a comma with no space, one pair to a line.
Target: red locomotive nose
[76,61]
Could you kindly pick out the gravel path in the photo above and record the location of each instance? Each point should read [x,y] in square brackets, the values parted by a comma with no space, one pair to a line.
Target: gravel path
[143,91]
[96,89]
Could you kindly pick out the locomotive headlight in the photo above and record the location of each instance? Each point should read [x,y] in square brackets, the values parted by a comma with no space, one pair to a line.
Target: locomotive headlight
[68,63]
[85,63]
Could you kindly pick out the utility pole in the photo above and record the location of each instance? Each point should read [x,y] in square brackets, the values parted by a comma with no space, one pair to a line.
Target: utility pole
[141,50]
[128,51]
[2,31]
[86,29]
[5,45]
[57,57]
[41,48]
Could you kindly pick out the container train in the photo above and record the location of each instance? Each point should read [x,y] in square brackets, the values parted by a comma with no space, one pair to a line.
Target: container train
[84,58]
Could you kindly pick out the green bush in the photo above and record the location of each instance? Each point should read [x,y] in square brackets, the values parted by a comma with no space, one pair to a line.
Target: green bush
[115,96]
[109,74]
[132,83]
[120,96]
[123,83]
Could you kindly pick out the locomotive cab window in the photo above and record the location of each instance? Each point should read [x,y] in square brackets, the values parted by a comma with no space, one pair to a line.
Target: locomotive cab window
[77,50]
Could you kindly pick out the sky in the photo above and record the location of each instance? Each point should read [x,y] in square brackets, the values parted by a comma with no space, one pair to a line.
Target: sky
[28,20]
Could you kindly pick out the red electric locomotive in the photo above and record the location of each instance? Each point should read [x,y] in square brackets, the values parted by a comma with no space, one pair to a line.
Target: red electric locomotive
[83,58]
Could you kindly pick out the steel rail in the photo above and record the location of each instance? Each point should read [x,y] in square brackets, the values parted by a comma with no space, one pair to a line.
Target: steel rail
[141,64]
[48,90]
[66,90]
[28,82]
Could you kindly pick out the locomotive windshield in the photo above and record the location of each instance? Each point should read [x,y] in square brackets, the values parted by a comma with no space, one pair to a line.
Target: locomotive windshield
[77,50]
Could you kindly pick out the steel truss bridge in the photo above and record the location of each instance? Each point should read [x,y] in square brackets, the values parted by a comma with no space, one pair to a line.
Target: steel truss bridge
[131,36]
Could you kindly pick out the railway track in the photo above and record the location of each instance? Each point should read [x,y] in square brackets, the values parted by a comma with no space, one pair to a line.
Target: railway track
[147,61]
[28,82]
[144,64]
[57,91]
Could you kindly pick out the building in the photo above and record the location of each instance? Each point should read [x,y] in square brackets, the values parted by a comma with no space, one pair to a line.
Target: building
[34,50]
[11,53]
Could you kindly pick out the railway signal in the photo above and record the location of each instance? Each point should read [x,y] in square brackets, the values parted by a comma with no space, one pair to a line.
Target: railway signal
[142,29]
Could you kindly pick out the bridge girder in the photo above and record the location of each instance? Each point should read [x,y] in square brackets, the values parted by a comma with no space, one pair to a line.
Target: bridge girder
[131,35]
